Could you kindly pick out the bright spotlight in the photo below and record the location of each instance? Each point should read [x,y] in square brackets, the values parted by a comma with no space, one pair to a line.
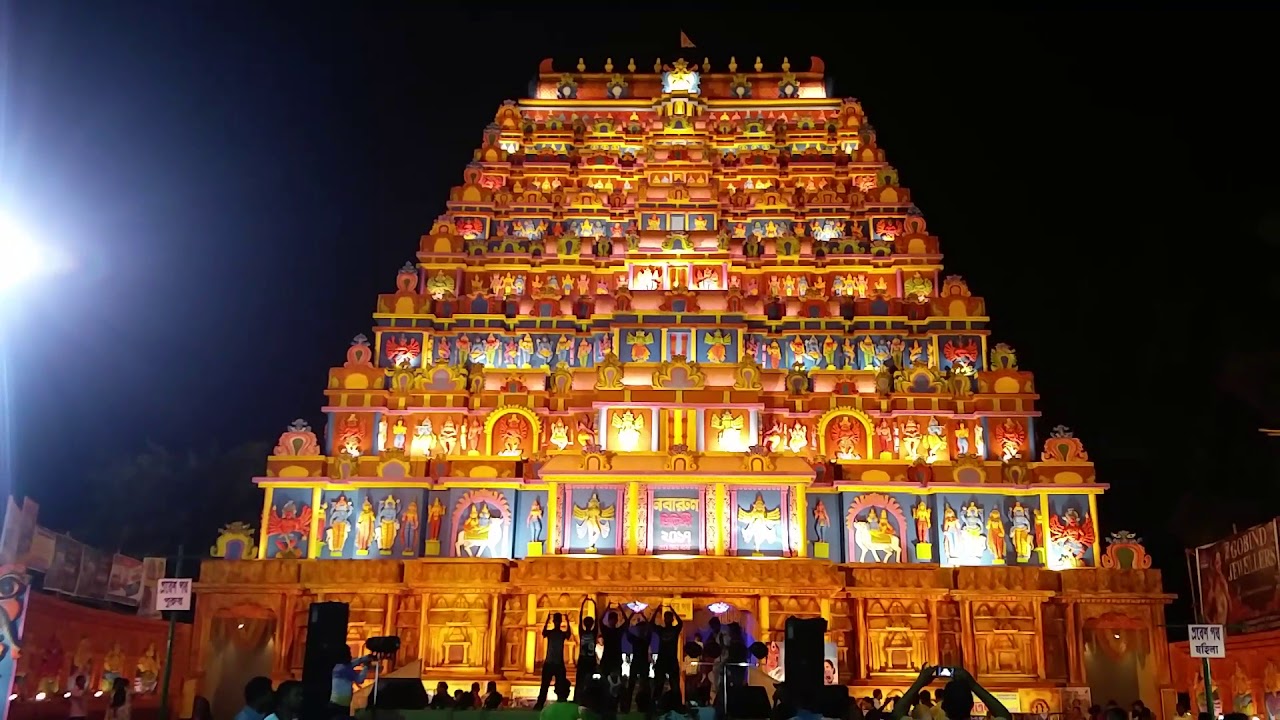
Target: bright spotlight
[41,695]
[21,257]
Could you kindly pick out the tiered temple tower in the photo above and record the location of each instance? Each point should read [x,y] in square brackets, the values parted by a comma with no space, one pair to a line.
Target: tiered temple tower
[673,324]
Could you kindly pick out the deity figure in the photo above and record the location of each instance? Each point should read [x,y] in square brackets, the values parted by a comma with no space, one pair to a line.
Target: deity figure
[923,515]
[382,435]
[364,527]
[980,447]
[112,666]
[639,342]
[351,436]
[909,442]
[535,521]
[995,534]
[1020,532]
[593,521]
[821,522]
[559,435]
[867,353]
[512,435]
[474,430]
[435,513]
[629,426]
[1012,437]
[718,346]
[448,437]
[409,524]
[847,436]
[962,438]
[424,439]
[338,526]
[82,660]
[759,523]
[884,438]
[586,434]
[148,670]
[1072,536]
[799,437]
[398,434]
[950,530]
[728,429]
[1242,693]
[388,524]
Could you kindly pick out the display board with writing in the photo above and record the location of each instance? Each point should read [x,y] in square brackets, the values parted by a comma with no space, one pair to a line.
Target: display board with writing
[675,521]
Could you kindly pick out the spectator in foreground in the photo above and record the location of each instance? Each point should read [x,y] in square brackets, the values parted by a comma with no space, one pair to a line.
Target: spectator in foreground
[561,709]
[492,698]
[344,681]
[1183,710]
[957,696]
[288,701]
[925,708]
[77,710]
[441,700]
[461,699]
[120,708]
[258,699]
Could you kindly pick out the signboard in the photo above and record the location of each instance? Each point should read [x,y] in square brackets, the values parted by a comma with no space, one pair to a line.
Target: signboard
[1010,700]
[675,522]
[1207,641]
[173,594]
[775,662]
[1239,580]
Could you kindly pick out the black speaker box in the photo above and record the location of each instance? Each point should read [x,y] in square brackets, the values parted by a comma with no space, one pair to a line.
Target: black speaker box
[833,701]
[750,701]
[326,646]
[400,694]
[805,638]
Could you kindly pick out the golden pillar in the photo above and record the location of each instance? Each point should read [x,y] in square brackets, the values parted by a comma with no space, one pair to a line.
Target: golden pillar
[495,630]
[968,647]
[1039,639]
[317,515]
[802,515]
[762,610]
[934,657]
[424,612]
[1093,518]
[530,631]
[720,495]
[266,515]
[824,608]
[631,541]
[1075,664]
[860,626]
[553,517]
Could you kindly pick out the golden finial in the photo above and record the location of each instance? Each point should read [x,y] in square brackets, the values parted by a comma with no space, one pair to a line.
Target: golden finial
[786,65]
[657,65]
[631,64]
[706,64]
[759,65]
[582,67]
[608,65]
[733,64]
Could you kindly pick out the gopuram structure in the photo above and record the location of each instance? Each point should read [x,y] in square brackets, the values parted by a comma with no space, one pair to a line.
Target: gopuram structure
[681,337]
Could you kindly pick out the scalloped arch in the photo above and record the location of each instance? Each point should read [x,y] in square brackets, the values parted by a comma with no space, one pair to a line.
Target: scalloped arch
[836,412]
[535,425]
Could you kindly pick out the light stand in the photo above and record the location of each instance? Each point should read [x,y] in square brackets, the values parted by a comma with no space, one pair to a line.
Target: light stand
[380,648]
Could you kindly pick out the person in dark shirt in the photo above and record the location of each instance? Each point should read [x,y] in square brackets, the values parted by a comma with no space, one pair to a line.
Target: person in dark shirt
[586,653]
[492,698]
[640,635]
[667,668]
[441,700]
[553,663]
[612,627]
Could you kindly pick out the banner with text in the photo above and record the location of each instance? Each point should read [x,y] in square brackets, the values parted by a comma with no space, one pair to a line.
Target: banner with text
[64,571]
[126,580]
[675,521]
[1239,580]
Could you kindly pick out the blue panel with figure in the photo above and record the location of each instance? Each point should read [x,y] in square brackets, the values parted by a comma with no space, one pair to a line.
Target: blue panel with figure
[826,541]
[339,510]
[289,522]
[592,520]
[478,523]
[878,527]
[397,522]
[759,522]
[1072,533]
[972,529]
[531,522]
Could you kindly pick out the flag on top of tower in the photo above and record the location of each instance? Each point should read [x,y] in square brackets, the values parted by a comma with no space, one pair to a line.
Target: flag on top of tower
[685,42]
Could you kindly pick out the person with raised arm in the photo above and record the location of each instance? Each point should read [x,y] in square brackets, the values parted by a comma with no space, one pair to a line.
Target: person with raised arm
[667,667]
[957,696]
[612,626]
[553,661]
[587,631]
[640,635]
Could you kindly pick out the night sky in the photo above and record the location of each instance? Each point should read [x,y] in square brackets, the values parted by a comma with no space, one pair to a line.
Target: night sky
[239,180]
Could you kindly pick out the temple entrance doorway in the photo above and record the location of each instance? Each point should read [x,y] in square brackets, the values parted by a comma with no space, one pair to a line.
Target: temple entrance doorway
[242,646]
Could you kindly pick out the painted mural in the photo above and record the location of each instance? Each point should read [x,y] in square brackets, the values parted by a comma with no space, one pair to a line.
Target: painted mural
[675,521]
[876,528]
[759,522]
[592,525]
[480,523]
[289,523]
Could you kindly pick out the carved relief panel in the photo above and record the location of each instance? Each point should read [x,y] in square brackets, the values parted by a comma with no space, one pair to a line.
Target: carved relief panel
[408,625]
[949,645]
[1005,638]
[456,627]
[511,639]
[897,635]
[1054,622]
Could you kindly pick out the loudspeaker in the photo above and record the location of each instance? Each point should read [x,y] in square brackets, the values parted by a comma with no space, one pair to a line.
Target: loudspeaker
[326,646]
[805,638]
[748,701]
[833,701]
[401,694]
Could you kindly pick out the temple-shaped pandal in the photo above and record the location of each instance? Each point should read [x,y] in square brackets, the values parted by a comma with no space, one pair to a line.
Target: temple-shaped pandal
[675,323]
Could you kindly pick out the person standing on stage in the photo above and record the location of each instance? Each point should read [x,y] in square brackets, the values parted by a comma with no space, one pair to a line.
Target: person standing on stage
[553,662]
[586,653]
[640,635]
[667,667]
[612,627]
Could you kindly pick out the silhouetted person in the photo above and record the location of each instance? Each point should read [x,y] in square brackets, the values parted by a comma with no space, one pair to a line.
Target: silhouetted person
[586,653]
[288,701]
[667,668]
[553,663]
[441,700]
[640,635]
[492,698]
[612,626]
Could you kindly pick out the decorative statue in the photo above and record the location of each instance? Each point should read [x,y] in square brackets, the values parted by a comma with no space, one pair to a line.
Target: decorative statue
[338,526]
[821,522]
[474,430]
[449,437]
[593,521]
[1072,537]
[409,524]
[962,438]
[480,531]
[512,435]
[923,515]
[847,436]
[799,437]
[535,521]
[388,524]
[399,432]
[629,426]
[559,434]
[1020,532]
[382,435]
[728,429]
[995,535]
[759,523]
[424,439]
[148,670]
[435,512]
[364,527]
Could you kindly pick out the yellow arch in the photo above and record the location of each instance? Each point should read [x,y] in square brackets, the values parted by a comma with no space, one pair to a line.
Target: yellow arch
[535,426]
[836,412]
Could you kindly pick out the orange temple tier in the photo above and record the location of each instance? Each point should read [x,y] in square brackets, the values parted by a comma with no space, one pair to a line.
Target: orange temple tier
[681,337]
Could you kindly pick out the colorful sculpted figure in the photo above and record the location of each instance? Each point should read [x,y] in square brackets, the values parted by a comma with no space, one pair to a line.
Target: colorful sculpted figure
[559,435]
[884,439]
[797,349]
[867,353]
[512,434]
[481,531]
[829,347]
[448,437]
[586,434]
[365,524]
[950,531]
[435,513]
[112,666]
[821,521]
[629,426]
[995,534]
[382,435]
[1011,439]
[338,524]
[1242,692]
[909,441]
[923,515]
[584,353]
[962,438]
[148,670]
[728,429]
[1072,537]
[718,346]
[639,341]
[535,521]
[799,437]
[424,439]
[775,439]
[474,431]
[351,436]
[388,524]
[593,521]
[1020,532]
[399,432]
[875,534]
[847,436]
[409,524]
[759,523]
[773,355]
[525,355]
